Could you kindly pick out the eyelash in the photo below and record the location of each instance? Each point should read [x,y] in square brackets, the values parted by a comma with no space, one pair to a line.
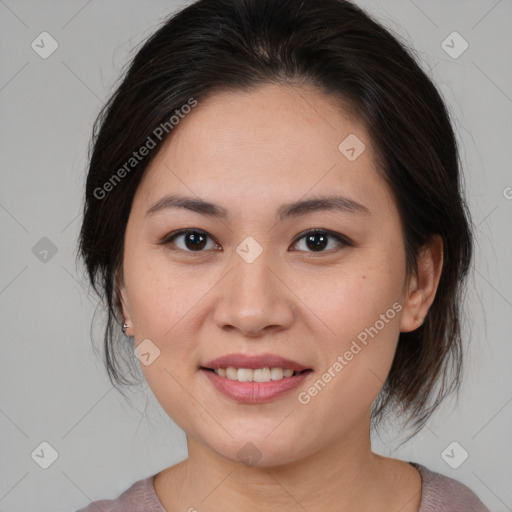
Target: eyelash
[169,239]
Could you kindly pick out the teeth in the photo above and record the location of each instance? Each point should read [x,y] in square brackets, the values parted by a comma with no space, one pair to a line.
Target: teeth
[232,373]
[245,375]
[262,375]
[258,375]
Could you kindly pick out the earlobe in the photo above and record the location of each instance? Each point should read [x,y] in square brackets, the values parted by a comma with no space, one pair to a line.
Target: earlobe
[121,303]
[123,307]
[423,286]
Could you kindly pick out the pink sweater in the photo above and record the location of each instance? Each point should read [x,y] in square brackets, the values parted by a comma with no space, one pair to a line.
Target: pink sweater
[439,494]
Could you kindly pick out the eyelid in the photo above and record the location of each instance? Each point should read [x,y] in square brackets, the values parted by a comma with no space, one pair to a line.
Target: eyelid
[167,239]
[342,239]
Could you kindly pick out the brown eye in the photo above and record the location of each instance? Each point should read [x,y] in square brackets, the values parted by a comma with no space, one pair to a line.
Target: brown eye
[318,240]
[192,240]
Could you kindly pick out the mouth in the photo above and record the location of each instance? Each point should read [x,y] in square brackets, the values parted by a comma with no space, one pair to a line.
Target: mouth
[254,385]
[265,374]
[254,368]
[254,378]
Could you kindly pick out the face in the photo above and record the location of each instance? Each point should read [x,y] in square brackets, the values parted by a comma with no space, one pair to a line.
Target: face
[196,285]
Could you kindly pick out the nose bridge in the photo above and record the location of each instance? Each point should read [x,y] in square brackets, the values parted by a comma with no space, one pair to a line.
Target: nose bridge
[253,298]
[251,279]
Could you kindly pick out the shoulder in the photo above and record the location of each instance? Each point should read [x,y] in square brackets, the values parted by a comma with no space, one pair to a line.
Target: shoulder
[139,497]
[441,493]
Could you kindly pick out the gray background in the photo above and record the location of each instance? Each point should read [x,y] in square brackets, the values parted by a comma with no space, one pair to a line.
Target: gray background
[53,386]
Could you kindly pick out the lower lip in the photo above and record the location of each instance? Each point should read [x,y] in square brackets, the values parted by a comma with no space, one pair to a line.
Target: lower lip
[254,392]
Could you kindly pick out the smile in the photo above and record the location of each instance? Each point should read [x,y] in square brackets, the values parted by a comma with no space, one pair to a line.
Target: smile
[254,385]
[254,375]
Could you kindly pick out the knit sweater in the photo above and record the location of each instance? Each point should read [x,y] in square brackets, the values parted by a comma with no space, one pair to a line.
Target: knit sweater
[439,493]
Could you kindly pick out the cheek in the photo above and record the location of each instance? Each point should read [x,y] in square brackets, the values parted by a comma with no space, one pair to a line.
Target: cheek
[162,304]
[160,297]
[170,389]
[362,310]
[362,296]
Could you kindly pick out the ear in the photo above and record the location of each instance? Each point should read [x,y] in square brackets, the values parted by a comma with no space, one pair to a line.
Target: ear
[422,288]
[122,303]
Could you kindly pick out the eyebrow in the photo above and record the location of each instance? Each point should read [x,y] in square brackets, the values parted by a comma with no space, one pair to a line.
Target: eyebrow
[295,209]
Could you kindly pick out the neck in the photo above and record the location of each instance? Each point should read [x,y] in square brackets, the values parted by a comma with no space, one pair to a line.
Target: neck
[344,475]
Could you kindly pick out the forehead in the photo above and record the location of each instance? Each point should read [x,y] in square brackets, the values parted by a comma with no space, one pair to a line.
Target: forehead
[274,141]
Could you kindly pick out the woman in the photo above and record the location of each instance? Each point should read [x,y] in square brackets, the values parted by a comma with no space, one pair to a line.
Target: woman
[274,216]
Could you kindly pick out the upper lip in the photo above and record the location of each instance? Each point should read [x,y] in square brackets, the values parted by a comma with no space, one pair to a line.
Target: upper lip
[254,362]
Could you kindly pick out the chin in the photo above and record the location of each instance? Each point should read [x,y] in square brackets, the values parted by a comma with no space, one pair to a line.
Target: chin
[259,451]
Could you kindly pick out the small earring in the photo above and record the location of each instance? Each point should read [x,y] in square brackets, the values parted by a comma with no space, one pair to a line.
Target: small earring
[124,327]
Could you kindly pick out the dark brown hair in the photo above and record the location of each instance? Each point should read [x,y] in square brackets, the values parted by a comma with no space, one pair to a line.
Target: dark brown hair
[215,45]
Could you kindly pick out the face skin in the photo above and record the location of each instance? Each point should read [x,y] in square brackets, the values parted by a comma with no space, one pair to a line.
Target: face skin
[252,152]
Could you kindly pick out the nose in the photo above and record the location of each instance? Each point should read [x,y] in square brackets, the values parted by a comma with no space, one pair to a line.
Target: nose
[254,299]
